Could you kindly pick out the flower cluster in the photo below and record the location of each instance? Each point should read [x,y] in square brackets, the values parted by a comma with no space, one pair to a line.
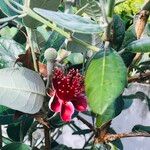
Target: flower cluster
[68,93]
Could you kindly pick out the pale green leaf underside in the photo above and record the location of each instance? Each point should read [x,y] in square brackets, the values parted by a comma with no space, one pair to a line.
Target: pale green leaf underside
[9,50]
[105,80]
[69,21]
[21,89]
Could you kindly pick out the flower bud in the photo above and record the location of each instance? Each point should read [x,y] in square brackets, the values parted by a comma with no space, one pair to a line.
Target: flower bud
[50,54]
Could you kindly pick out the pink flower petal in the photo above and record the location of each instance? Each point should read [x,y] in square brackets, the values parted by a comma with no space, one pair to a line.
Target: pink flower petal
[67,111]
[55,104]
[80,103]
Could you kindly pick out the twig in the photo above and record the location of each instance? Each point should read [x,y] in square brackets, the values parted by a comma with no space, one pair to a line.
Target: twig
[110,9]
[86,122]
[141,76]
[47,138]
[87,142]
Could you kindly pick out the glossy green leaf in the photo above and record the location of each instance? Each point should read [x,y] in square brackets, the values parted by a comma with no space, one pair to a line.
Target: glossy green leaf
[111,112]
[118,32]
[70,21]
[16,146]
[141,128]
[56,122]
[45,4]
[17,131]
[140,45]
[105,80]
[7,116]
[130,36]
[62,147]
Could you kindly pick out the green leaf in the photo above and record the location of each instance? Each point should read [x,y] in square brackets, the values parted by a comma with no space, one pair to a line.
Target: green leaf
[140,45]
[16,146]
[111,112]
[75,47]
[62,147]
[55,40]
[118,32]
[75,58]
[141,128]
[7,10]
[45,4]
[56,122]
[17,131]
[69,21]
[91,8]
[7,116]
[105,80]
[9,50]
[8,32]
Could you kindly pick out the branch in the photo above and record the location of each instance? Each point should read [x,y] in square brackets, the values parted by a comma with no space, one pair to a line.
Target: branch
[113,137]
[140,77]
[47,138]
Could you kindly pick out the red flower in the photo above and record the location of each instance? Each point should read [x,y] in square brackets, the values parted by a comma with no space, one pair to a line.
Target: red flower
[68,93]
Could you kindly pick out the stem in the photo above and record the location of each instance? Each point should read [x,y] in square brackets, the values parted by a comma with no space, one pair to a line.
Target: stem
[82,9]
[12,7]
[29,32]
[107,14]
[110,8]
[47,138]
[21,132]
[103,11]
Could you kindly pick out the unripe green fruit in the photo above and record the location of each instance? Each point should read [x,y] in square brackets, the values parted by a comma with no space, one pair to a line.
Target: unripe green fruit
[50,54]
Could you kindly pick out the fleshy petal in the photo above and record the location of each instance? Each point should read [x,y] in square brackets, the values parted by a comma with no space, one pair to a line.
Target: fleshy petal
[55,104]
[80,103]
[67,111]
